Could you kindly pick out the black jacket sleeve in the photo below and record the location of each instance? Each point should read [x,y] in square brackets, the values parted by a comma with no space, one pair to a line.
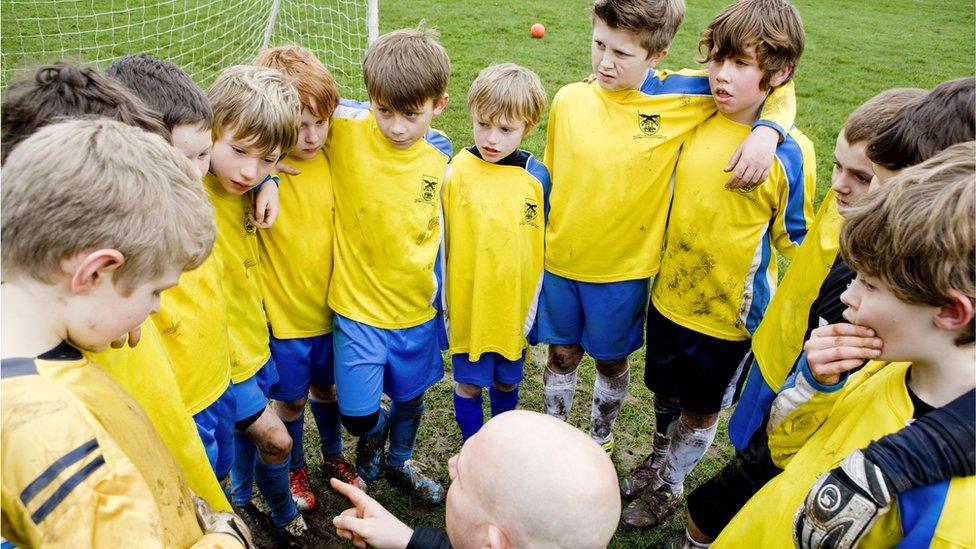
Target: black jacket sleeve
[425,537]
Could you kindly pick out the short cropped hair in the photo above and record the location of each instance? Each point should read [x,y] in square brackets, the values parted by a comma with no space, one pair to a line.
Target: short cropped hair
[654,22]
[316,88]
[62,90]
[773,27]
[406,68]
[876,113]
[256,105]
[165,88]
[916,232]
[112,186]
[510,91]
[945,116]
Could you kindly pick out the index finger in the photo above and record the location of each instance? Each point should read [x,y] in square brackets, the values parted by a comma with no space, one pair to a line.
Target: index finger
[350,492]
[844,329]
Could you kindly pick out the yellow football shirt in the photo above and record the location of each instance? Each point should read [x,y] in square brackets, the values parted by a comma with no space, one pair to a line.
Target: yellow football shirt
[494,236]
[611,156]
[718,271]
[874,403]
[236,249]
[192,320]
[296,253]
[387,221]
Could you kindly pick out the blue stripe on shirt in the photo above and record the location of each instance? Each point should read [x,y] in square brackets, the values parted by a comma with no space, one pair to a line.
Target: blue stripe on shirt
[675,84]
[539,171]
[790,156]
[761,292]
[49,474]
[440,142]
[62,492]
[920,510]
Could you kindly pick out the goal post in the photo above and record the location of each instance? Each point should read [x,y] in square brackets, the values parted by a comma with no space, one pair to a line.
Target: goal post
[201,36]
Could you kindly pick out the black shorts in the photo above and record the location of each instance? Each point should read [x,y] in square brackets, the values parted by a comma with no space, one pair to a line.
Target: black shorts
[713,504]
[700,370]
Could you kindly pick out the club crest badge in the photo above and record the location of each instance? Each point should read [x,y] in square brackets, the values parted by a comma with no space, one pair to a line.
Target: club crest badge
[649,123]
[428,188]
[530,212]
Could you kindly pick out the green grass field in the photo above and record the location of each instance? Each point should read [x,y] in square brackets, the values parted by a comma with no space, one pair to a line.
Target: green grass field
[853,51]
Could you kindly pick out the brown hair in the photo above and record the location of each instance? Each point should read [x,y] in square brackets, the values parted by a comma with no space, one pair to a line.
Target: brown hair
[165,88]
[112,186]
[507,90]
[874,114]
[916,232]
[256,105]
[947,115]
[654,22]
[317,90]
[406,68]
[62,90]
[773,27]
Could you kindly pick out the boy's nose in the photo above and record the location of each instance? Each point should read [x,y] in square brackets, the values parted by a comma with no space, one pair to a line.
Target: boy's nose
[249,170]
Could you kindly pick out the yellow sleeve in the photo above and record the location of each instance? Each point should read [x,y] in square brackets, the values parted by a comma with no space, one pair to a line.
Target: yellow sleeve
[550,133]
[779,109]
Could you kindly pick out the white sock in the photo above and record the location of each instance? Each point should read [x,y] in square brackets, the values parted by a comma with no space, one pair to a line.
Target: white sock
[608,397]
[557,392]
[688,446]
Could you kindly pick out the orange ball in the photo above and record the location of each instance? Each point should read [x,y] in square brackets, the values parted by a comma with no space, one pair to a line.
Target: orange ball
[538,31]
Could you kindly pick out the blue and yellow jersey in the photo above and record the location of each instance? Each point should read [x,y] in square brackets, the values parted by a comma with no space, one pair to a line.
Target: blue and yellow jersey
[387,221]
[813,429]
[82,464]
[192,320]
[495,219]
[718,271]
[146,372]
[296,254]
[236,249]
[611,156]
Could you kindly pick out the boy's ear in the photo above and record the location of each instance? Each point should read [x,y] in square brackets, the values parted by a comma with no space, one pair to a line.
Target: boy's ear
[657,57]
[497,539]
[779,77]
[955,315]
[440,105]
[88,270]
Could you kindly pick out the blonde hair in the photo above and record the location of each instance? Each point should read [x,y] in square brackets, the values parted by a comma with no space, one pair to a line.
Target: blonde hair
[876,113]
[256,105]
[654,22]
[774,27]
[113,186]
[316,88]
[510,91]
[406,68]
[916,232]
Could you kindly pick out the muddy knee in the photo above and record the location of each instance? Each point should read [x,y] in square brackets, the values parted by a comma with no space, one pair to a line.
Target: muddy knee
[564,359]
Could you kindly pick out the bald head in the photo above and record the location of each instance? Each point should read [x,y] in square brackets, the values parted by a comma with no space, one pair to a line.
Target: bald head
[541,482]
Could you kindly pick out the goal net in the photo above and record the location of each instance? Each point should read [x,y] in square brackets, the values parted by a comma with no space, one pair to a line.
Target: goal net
[201,36]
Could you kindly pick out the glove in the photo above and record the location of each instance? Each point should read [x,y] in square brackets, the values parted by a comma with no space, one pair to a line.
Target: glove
[842,506]
[212,522]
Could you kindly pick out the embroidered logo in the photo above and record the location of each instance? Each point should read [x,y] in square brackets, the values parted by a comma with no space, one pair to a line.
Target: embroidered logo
[531,212]
[649,123]
[428,188]
[248,224]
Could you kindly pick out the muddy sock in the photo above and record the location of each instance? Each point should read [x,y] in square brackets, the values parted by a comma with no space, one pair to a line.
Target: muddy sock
[558,393]
[608,397]
[688,446]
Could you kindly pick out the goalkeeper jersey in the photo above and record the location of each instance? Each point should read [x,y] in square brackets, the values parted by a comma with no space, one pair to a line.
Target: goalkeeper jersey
[718,271]
[494,237]
[611,155]
[387,221]
[192,320]
[296,254]
[811,432]
[82,464]
[236,249]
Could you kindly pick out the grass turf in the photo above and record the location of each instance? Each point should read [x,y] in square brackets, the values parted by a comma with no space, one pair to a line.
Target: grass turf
[852,52]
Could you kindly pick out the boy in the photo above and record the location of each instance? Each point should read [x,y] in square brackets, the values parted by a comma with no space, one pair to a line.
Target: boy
[89,243]
[387,168]
[256,118]
[491,311]
[707,301]
[507,491]
[146,371]
[820,276]
[195,337]
[610,149]
[911,244]
[296,260]
[61,89]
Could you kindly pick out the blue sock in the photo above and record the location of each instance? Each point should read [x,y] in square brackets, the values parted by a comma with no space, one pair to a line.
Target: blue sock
[404,424]
[468,414]
[242,472]
[272,480]
[295,429]
[502,401]
[327,420]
